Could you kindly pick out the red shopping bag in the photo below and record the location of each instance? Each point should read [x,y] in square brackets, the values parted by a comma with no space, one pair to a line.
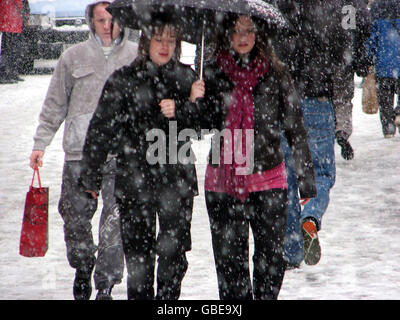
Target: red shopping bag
[35,232]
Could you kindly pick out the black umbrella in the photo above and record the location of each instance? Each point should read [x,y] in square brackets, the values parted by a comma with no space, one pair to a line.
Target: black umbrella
[196,17]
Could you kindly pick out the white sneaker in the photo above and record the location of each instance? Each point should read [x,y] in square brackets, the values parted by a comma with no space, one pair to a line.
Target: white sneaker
[312,248]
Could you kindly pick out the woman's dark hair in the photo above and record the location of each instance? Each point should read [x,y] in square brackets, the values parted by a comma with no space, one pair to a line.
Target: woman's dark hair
[149,32]
[262,46]
[228,25]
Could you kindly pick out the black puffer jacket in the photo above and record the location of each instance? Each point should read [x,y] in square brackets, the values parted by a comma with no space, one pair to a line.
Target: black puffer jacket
[359,33]
[275,108]
[319,46]
[127,111]
[385,9]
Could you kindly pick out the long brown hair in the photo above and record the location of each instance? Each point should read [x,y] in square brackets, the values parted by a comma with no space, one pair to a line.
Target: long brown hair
[157,29]
[262,44]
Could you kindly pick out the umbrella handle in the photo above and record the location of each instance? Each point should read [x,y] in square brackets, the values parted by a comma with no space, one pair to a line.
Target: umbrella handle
[202,52]
[202,56]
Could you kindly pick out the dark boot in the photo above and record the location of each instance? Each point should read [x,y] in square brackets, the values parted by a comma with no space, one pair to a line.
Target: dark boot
[83,282]
[347,150]
[170,276]
[7,81]
[104,294]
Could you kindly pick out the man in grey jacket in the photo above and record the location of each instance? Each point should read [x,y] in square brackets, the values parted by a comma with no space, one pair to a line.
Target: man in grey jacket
[72,97]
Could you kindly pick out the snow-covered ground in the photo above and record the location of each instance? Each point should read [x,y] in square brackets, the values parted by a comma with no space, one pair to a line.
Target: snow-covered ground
[360,235]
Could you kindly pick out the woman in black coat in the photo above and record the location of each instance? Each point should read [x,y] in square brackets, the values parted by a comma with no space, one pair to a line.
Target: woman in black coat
[141,110]
[249,97]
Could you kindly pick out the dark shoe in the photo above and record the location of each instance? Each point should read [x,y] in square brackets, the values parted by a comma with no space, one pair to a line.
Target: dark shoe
[8,81]
[18,78]
[292,266]
[312,249]
[104,294]
[347,150]
[82,286]
[83,282]
[389,130]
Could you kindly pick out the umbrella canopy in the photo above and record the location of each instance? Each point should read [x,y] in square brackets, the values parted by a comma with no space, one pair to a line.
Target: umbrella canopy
[190,14]
[196,18]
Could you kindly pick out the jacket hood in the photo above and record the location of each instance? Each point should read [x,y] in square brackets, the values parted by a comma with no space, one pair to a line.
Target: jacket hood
[89,13]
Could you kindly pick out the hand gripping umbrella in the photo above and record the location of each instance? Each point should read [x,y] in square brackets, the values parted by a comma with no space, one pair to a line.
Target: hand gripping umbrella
[196,17]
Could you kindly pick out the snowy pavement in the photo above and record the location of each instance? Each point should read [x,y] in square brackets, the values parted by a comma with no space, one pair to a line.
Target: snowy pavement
[360,235]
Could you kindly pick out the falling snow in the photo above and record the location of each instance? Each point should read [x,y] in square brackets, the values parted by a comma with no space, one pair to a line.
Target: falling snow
[360,235]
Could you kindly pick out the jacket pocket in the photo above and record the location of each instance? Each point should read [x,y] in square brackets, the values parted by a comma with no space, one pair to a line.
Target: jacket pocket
[75,132]
[82,71]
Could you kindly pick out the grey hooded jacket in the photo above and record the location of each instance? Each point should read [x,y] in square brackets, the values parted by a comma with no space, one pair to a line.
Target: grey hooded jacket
[75,89]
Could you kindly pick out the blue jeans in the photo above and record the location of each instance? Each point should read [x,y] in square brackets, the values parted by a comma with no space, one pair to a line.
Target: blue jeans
[293,238]
[320,124]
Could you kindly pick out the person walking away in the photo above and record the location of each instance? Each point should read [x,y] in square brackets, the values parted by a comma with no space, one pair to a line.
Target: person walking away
[12,22]
[354,60]
[356,24]
[313,56]
[140,103]
[248,90]
[72,97]
[384,46]
[28,46]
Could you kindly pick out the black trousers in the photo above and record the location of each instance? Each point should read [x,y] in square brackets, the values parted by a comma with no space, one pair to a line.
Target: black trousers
[141,245]
[387,88]
[266,213]
[10,55]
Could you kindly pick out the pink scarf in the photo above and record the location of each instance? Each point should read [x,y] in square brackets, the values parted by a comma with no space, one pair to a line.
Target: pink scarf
[239,116]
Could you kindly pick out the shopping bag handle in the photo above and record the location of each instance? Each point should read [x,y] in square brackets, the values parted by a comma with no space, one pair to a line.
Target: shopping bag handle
[33,178]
